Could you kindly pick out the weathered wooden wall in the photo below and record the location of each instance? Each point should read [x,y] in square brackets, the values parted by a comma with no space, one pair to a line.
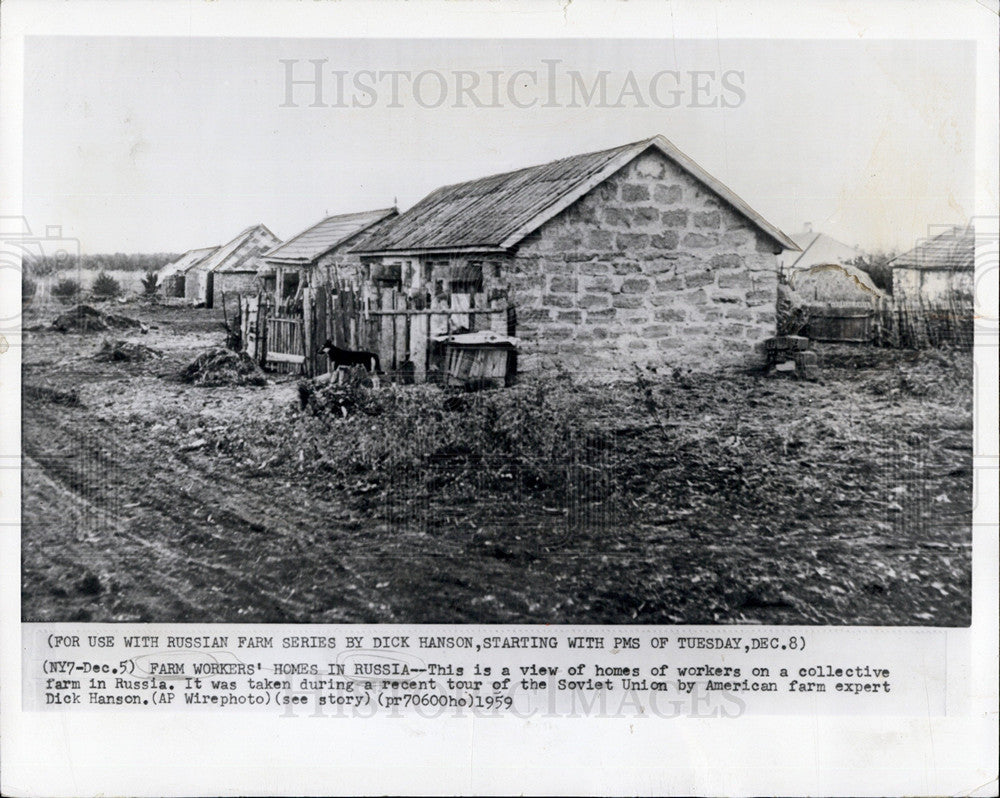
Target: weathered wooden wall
[384,321]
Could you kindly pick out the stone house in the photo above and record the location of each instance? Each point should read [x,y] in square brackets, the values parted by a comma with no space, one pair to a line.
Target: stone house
[170,279]
[938,271]
[320,255]
[229,269]
[632,255]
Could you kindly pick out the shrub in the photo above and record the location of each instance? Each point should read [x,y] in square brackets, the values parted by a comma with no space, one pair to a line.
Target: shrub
[149,284]
[878,268]
[66,290]
[105,286]
[792,312]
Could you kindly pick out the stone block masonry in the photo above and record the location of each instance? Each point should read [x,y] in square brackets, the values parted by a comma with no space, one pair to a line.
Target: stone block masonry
[649,268]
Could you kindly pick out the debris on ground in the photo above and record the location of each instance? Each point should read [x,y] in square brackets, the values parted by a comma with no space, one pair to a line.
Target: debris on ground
[84,318]
[223,367]
[343,393]
[125,352]
[791,354]
[679,498]
[89,585]
[70,398]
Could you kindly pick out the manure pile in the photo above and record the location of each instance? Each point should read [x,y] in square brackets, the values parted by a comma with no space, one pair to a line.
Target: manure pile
[223,367]
[85,319]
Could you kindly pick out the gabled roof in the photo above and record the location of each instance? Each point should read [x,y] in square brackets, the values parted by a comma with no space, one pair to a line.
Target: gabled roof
[495,213]
[818,249]
[236,256]
[186,261]
[952,250]
[325,235]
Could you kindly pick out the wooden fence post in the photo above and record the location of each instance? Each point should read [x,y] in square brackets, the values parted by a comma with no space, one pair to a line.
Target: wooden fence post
[308,345]
[262,342]
[319,330]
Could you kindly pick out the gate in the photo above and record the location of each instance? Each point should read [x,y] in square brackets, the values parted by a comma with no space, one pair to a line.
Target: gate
[284,341]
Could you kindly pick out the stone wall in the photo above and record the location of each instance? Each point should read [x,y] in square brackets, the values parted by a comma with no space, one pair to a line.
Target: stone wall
[233,283]
[195,285]
[649,268]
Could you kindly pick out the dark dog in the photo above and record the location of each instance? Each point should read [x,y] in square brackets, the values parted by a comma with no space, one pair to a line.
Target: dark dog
[346,357]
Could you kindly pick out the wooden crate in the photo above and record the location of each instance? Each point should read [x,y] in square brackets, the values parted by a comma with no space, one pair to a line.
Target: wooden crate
[479,365]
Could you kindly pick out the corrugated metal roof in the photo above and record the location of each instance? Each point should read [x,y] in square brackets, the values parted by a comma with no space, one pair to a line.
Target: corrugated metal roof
[325,235]
[496,212]
[190,258]
[237,255]
[952,250]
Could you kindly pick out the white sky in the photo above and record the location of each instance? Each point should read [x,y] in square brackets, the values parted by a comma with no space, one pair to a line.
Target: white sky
[145,144]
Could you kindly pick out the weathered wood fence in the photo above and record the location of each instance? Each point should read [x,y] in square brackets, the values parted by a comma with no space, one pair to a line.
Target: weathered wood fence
[395,326]
[892,323]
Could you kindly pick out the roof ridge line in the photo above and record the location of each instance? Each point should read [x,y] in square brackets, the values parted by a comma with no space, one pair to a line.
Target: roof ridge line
[538,165]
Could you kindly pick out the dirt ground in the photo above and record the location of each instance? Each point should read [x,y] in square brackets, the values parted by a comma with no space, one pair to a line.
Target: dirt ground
[739,499]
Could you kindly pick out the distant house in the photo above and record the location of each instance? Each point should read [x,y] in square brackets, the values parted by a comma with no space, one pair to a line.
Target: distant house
[320,255]
[631,255]
[170,279]
[940,270]
[229,268]
[815,249]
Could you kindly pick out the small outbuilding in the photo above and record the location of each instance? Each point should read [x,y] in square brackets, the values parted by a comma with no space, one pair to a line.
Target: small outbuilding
[229,268]
[938,271]
[321,254]
[170,279]
[633,255]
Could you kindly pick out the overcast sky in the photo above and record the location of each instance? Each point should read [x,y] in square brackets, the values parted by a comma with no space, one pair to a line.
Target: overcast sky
[144,144]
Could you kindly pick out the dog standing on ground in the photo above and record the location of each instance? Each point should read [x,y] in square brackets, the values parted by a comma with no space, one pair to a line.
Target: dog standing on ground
[346,357]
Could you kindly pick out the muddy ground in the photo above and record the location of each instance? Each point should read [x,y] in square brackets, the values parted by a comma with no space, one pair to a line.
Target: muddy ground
[732,499]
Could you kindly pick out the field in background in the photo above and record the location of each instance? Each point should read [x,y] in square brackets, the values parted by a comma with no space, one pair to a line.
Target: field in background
[664,498]
[129,280]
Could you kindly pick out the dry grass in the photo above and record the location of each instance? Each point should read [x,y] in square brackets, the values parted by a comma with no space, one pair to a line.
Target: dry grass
[696,499]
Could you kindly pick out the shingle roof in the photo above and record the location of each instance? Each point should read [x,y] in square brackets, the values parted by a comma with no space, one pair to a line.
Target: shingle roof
[189,259]
[496,212]
[238,254]
[325,235]
[952,250]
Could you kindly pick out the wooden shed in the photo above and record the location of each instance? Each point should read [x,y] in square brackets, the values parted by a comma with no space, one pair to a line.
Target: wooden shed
[320,255]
